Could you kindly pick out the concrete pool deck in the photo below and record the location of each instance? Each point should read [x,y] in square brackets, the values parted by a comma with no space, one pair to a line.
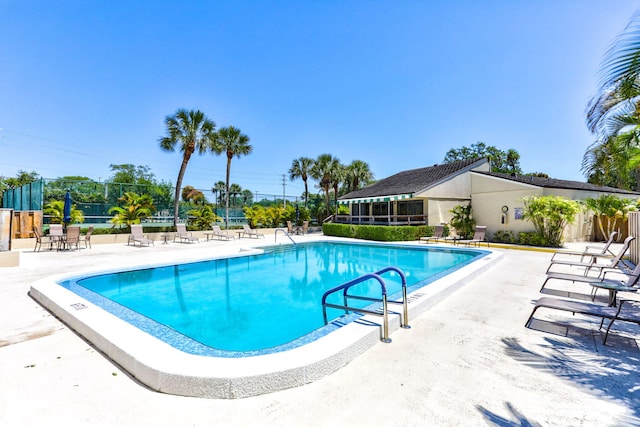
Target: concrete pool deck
[467,361]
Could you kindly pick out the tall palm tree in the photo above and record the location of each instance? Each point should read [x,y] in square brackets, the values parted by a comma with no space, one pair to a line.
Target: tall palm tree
[321,172]
[615,109]
[338,174]
[191,131]
[220,189]
[233,142]
[358,172]
[235,190]
[300,168]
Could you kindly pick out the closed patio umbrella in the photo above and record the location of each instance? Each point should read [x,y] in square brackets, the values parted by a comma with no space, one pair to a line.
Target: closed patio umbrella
[66,212]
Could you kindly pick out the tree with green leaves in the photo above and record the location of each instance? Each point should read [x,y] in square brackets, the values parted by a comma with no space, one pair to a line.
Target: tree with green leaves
[462,221]
[321,172]
[613,115]
[301,168]
[135,208]
[202,217]
[220,191]
[234,143]
[501,161]
[357,174]
[609,209]
[55,210]
[550,215]
[191,131]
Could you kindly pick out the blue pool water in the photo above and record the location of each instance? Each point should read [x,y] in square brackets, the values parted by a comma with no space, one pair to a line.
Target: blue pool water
[258,303]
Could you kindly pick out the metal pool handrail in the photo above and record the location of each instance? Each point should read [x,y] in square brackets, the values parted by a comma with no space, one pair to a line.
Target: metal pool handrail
[275,235]
[345,286]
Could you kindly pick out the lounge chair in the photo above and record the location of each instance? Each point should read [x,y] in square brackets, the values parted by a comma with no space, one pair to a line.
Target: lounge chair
[137,236]
[631,313]
[615,262]
[183,235]
[217,232]
[247,231]
[479,236]
[438,233]
[87,237]
[40,239]
[72,238]
[453,236]
[630,279]
[602,251]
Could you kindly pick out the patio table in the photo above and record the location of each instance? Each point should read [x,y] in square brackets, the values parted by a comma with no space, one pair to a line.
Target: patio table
[613,289]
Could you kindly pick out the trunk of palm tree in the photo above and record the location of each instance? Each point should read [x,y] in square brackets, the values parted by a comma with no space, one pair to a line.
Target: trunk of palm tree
[176,205]
[226,218]
[306,192]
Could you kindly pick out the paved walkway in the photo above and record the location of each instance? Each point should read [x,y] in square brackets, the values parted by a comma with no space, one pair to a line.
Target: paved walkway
[468,361]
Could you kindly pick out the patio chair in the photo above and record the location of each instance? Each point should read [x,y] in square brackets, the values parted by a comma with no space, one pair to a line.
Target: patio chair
[438,233]
[289,227]
[602,251]
[87,237]
[615,262]
[217,232]
[137,236]
[479,236]
[72,238]
[183,235]
[247,231]
[305,227]
[40,239]
[631,313]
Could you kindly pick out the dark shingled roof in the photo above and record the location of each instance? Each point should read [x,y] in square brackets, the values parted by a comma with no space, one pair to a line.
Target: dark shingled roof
[558,183]
[412,181]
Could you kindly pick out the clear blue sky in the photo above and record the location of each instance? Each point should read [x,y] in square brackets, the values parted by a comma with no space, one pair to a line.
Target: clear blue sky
[86,84]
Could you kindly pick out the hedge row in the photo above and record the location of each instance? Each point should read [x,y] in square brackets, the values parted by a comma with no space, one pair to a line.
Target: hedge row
[380,233]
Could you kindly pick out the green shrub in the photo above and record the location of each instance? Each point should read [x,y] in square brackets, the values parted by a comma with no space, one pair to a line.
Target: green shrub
[532,238]
[380,233]
[504,236]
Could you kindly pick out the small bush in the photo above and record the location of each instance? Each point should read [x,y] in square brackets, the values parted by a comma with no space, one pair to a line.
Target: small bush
[532,238]
[504,236]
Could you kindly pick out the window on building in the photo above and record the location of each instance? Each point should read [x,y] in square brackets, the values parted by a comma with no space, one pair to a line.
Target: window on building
[411,207]
[380,209]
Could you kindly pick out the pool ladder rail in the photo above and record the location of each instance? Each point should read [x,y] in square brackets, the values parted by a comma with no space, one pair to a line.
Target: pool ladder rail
[275,235]
[404,316]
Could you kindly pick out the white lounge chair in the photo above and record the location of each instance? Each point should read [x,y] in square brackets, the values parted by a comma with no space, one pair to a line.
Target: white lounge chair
[218,233]
[137,236]
[247,231]
[183,235]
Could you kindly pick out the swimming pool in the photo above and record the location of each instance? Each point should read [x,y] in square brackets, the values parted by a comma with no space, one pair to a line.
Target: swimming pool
[167,367]
[260,303]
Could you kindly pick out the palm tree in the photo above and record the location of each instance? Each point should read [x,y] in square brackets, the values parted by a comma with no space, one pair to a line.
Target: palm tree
[358,172]
[338,174]
[235,190]
[615,110]
[321,172]
[234,143]
[300,168]
[191,131]
[220,189]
